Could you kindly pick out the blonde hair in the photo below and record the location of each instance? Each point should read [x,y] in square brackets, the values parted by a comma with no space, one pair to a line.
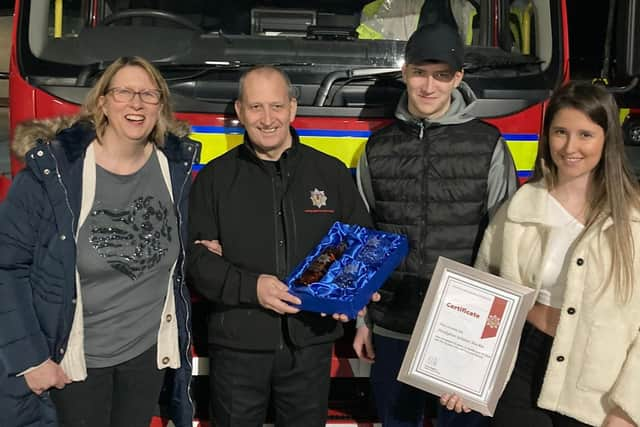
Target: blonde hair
[92,109]
[614,191]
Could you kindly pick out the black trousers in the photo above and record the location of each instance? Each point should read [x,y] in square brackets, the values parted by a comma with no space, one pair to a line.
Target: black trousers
[295,380]
[122,395]
[517,406]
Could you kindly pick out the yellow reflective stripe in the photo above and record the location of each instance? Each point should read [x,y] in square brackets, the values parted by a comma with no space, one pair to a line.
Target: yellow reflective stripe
[624,112]
[215,144]
[346,149]
[57,19]
[524,154]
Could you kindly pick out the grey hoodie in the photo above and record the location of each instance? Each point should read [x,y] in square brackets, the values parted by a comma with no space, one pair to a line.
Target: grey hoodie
[502,180]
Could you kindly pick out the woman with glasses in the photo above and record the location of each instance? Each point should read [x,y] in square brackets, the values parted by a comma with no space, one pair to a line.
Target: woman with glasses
[93,304]
[573,234]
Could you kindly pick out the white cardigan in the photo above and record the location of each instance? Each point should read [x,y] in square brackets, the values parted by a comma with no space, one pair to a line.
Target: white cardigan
[74,363]
[595,359]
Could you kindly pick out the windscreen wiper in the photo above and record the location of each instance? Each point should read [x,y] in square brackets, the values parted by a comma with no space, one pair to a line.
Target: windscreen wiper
[197,70]
[90,70]
[349,76]
[210,66]
[476,62]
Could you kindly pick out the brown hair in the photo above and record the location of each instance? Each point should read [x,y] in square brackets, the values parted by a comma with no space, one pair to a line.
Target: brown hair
[614,191]
[92,110]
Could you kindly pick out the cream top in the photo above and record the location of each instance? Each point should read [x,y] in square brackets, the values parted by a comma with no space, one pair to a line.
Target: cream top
[564,229]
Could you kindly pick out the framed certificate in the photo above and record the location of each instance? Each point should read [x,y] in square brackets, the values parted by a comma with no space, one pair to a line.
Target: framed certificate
[466,336]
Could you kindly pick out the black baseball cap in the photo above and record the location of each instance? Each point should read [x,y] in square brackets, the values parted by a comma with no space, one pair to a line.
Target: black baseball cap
[437,43]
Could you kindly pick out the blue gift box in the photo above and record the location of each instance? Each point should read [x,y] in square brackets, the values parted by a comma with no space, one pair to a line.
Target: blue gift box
[368,259]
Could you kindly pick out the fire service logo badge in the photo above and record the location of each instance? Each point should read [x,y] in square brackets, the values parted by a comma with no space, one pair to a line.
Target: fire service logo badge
[318,198]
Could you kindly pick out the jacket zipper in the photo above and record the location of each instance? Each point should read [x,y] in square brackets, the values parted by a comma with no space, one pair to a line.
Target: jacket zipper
[182,250]
[64,188]
[425,195]
[277,249]
[73,223]
[286,205]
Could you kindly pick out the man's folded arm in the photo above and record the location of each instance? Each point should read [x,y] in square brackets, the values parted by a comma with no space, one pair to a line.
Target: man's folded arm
[218,280]
[212,275]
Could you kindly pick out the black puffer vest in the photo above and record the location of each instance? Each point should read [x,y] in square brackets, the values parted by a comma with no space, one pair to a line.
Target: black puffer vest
[432,188]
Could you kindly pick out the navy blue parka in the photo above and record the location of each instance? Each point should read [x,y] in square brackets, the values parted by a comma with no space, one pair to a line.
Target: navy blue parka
[38,222]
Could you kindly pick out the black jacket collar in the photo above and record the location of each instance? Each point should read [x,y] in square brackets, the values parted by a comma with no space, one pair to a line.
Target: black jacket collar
[249,149]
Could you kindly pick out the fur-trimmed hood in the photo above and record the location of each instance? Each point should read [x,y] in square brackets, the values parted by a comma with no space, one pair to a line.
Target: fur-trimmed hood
[27,134]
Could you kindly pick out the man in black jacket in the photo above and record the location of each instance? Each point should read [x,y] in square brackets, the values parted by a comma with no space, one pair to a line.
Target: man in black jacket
[268,202]
[435,174]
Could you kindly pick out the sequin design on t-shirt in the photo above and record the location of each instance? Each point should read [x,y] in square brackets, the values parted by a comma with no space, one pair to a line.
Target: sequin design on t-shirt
[132,240]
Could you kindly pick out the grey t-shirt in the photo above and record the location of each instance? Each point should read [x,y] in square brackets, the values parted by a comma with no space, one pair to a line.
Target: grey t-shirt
[126,248]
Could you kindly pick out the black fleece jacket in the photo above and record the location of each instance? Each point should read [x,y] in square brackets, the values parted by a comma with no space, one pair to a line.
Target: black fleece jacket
[264,218]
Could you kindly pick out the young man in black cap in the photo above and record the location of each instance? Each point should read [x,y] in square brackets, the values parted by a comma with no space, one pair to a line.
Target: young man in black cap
[435,174]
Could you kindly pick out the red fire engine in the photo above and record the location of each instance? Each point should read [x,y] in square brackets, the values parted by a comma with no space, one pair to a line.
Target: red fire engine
[343,57]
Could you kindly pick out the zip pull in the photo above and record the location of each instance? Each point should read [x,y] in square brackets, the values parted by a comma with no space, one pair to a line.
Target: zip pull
[421,129]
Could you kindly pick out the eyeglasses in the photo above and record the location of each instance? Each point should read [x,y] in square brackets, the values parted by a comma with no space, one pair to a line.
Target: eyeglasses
[123,94]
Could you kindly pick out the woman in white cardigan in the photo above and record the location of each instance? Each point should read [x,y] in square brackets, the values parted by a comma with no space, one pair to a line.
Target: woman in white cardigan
[573,234]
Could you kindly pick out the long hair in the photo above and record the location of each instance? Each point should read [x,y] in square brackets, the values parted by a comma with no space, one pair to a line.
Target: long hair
[614,191]
[92,110]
